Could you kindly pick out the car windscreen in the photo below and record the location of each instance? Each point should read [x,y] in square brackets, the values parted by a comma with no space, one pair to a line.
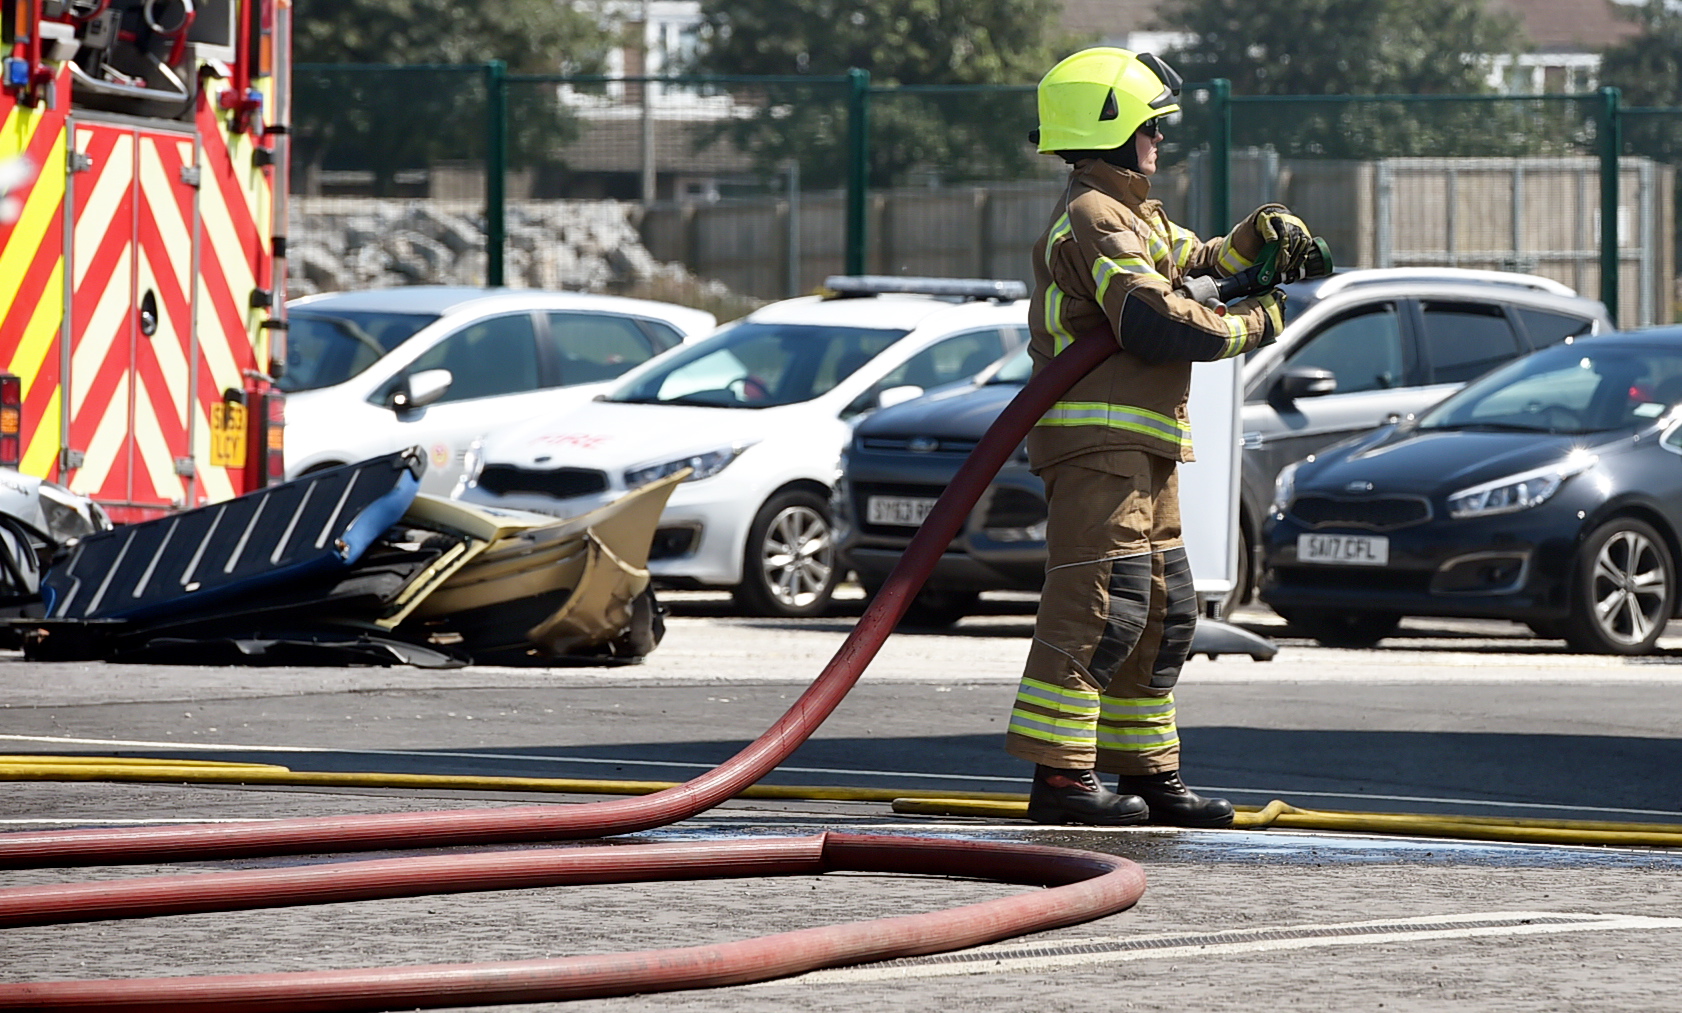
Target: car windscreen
[1017,369]
[759,365]
[328,347]
[1573,388]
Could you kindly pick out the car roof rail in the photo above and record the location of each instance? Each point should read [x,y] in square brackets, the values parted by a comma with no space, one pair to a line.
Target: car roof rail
[855,286]
[1381,275]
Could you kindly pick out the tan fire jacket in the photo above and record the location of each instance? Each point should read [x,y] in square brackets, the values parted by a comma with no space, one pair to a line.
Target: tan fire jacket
[1112,258]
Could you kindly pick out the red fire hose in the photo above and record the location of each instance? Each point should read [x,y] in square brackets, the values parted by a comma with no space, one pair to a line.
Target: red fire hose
[1089,885]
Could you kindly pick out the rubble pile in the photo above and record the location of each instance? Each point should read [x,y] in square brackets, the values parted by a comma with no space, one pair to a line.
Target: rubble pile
[345,243]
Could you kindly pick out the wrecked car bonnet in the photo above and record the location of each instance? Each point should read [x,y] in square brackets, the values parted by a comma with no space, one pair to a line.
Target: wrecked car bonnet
[320,523]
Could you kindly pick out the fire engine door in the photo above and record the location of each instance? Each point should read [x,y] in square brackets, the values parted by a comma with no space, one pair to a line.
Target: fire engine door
[132,359]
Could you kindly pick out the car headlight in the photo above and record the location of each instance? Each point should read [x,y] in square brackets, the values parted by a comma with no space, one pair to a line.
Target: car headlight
[1285,487]
[1517,492]
[70,516]
[702,465]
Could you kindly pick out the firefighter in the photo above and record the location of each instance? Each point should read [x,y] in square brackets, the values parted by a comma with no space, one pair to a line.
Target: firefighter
[1118,608]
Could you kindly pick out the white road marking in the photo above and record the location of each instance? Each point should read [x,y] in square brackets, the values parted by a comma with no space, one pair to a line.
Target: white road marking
[1021,956]
[1009,782]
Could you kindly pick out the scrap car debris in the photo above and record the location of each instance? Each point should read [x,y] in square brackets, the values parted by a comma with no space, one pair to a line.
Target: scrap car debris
[353,566]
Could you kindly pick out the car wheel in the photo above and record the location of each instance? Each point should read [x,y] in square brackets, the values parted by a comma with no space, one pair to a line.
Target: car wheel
[1240,592]
[940,608]
[789,568]
[1624,589]
[932,607]
[1345,628]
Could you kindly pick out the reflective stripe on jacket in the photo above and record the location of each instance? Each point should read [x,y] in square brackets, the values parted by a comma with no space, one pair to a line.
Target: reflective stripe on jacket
[1112,258]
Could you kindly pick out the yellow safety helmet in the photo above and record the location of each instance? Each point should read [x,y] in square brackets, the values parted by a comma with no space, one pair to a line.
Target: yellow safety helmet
[1096,99]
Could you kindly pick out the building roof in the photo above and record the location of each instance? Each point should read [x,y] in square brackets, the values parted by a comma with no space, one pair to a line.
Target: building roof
[1587,26]
[1109,20]
[1580,26]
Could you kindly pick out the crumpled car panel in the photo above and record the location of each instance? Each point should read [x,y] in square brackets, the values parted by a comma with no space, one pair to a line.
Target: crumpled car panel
[174,565]
[445,583]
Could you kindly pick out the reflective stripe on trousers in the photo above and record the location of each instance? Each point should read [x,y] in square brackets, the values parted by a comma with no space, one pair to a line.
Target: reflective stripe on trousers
[1115,623]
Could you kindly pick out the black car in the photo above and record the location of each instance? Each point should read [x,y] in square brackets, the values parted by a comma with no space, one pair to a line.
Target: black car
[1548,492]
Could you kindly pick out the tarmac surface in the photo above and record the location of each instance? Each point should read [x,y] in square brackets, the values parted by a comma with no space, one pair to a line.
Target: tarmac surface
[1464,718]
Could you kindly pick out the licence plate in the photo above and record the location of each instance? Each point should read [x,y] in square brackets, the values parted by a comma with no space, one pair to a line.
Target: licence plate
[1359,550]
[904,511]
[227,434]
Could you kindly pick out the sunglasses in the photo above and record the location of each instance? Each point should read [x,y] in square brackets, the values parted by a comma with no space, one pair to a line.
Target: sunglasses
[1152,127]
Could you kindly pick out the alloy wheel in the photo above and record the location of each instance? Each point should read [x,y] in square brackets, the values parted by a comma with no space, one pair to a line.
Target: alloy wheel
[1630,587]
[797,556]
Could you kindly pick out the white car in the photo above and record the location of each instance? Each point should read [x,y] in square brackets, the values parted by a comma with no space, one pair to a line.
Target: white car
[760,412]
[369,373]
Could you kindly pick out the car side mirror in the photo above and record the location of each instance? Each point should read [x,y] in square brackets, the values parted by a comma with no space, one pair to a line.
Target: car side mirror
[1304,381]
[421,389]
[898,395]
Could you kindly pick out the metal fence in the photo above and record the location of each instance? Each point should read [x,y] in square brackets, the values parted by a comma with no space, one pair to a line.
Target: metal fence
[725,192]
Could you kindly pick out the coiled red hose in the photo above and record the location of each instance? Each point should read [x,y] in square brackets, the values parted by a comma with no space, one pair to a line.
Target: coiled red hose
[1117,885]
[1084,885]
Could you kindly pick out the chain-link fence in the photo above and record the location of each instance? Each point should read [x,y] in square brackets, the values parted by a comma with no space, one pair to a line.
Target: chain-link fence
[1654,137]
[725,192]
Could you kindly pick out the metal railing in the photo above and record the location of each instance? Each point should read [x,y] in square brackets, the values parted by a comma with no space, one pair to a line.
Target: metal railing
[767,183]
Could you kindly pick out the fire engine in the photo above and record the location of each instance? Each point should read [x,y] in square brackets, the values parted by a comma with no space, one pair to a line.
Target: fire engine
[143,276]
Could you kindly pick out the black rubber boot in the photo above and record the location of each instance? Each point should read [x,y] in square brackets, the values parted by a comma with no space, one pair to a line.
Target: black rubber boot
[1173,804]
[1075,796]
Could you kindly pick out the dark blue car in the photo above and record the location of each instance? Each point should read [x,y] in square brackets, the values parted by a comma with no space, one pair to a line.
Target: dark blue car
[1547,492]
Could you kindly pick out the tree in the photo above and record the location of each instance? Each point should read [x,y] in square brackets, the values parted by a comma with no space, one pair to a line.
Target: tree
[389,120]
[979,43]
[1647,68]
[531,36]
[1367,47]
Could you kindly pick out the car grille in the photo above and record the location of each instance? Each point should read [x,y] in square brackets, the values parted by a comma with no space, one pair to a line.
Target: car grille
[1379,513]
[924,444]
[1355,579]
[562,483]
[673,543]
[1014,508]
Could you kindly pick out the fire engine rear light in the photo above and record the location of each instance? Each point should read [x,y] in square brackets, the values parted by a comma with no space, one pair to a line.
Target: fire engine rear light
[274,437]
[11,420]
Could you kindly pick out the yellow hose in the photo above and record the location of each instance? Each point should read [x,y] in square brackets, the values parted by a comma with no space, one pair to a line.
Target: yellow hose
[142,770]
[996,805]
[124,761]
[1286,816]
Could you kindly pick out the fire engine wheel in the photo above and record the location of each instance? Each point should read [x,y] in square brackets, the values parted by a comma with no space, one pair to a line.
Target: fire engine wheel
[789,566]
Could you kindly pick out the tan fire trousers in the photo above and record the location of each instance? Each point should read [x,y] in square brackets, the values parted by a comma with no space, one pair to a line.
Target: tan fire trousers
[1115,621]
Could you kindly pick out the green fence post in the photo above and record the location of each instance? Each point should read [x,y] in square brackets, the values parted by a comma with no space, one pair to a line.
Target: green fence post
[1220,157]
[496,169]
[1610,142]
[858,165]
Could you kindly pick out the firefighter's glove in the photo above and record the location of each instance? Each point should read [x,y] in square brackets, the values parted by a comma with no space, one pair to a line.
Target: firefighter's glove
[1272,305]
[1276,224]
